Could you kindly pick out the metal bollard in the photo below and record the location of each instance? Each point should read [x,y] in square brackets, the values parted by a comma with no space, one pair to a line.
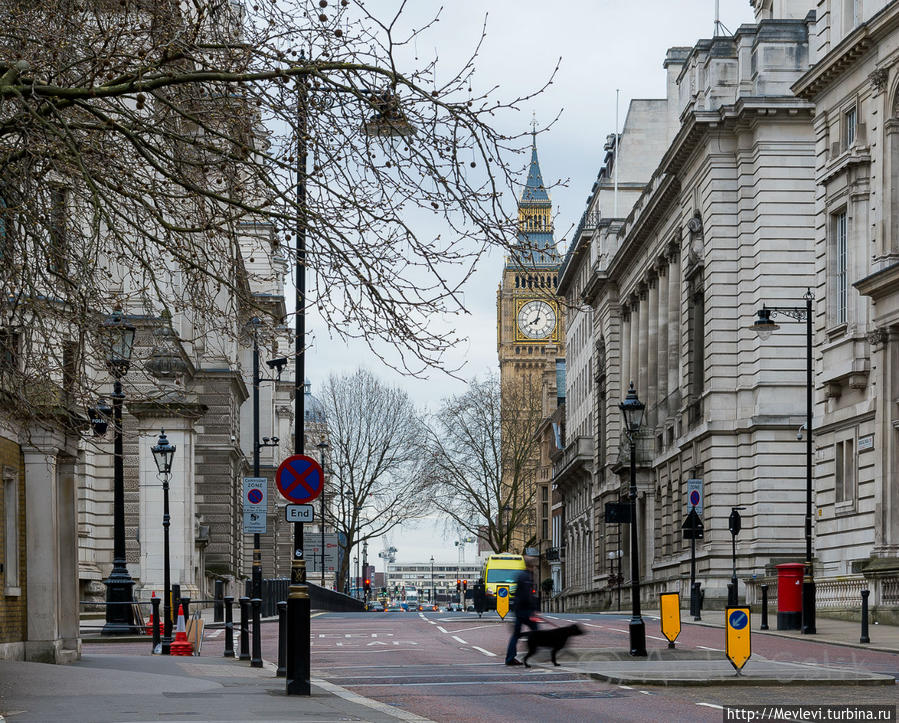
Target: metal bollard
[697,586]
[176,598]
[229,627]
[282,640]
[218,607]
[154,619]
[256,660]
[731,595]
[244,629]
[185,603]
[864,638]
[764,625]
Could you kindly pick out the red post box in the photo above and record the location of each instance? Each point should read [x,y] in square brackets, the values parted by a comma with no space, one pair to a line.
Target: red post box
[789,595]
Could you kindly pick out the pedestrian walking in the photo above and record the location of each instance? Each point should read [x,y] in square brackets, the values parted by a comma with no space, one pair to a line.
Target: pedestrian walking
[524,607]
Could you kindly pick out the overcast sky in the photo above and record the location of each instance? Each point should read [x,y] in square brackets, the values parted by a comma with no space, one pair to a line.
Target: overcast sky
[602,45]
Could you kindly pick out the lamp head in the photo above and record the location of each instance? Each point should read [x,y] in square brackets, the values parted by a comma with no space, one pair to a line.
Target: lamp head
[632,409]
[99,417]
[277,364]
[120,341]
[163,453]
[763,325]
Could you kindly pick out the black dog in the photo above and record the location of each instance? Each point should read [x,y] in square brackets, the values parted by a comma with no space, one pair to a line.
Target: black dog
[553,638]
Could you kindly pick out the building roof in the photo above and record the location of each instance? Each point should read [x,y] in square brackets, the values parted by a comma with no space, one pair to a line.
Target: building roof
[534,192]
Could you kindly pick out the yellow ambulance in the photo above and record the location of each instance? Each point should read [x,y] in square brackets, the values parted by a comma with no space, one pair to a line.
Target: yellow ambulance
[501,569]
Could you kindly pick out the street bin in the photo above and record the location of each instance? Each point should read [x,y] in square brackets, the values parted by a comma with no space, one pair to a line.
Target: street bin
[789,595]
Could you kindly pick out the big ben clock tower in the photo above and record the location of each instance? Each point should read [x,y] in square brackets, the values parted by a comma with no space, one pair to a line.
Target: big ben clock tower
[530,332]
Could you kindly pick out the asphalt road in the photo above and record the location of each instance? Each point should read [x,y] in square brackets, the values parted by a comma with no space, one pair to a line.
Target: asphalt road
[449,667]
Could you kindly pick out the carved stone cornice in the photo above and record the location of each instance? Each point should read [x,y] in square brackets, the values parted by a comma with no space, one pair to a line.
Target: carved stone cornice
[878,79]
[878,338]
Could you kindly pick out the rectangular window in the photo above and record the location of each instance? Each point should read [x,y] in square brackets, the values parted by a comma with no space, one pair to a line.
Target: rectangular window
[11,531]
[850,15]
[841,263]
[844,470]
[850,122]
[697,355]
[9,351]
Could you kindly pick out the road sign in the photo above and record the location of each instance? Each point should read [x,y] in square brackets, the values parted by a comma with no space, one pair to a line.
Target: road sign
[618,512]
[333,553]
[693,527]
[669,606]
[255,505]
[502,600]
[299,479]
[694,495]
[299,513]
[737,645]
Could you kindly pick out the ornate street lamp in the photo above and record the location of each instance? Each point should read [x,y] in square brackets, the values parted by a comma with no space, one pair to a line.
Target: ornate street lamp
[119,335]
[764,326]
[632,409]
[163,455]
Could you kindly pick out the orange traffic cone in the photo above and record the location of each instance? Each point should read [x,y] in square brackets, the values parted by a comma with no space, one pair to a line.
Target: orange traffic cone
[153,621]
[181,645]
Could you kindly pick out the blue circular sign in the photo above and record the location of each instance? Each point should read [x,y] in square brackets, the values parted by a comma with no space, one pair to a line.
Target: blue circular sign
[255,496]
[694,498]
[738,619]
[502,592]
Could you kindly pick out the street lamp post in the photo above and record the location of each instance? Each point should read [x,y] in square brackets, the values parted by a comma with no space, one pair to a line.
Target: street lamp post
[632,409]
[119,614]
[356,578]
[163,454]
[433,590]
[763,326]
[323,450]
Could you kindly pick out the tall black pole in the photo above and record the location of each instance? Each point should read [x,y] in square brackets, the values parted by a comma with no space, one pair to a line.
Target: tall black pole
[637,628]
[119,615]
[166,567]
[257,552]
[298,622]
[808,582]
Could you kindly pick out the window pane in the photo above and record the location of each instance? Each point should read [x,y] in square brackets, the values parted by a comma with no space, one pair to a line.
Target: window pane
[842,279]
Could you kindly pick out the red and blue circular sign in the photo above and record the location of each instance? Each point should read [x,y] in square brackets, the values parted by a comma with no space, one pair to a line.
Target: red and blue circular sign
[255,496]
[694,498]
[299,479]
[738,619]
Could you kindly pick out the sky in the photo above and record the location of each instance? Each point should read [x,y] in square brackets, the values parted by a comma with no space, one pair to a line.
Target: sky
[601,46]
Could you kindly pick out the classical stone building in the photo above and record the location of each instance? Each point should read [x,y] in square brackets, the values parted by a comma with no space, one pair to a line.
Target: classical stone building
[530,333]
[854,86]
[724,223]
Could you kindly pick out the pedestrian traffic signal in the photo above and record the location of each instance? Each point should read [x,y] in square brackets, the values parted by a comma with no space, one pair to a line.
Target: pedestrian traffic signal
[458,585]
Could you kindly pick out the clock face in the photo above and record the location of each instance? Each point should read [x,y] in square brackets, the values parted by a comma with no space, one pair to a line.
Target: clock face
[536,319]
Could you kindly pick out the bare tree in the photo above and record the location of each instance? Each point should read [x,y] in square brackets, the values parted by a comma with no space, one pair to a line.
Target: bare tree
[140,139]
[377,443]
[482,459]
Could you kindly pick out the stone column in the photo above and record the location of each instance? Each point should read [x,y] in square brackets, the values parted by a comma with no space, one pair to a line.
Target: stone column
[625,349]
[662,343]
[67,516]
[674,331]
[885,350]
[652,351]
[645,313]
[634,365]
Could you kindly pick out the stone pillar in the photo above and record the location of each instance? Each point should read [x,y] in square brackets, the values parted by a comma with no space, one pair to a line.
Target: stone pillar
[674,332]
[645,313]
[625,345]
[634,366]
[662,343]
[51,550]
[885,350]
[652,351]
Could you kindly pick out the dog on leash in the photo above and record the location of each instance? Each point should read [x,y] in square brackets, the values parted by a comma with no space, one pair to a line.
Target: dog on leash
[553,638]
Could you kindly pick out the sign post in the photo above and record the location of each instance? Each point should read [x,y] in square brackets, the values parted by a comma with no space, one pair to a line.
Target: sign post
[693,530]
[502,601]
[669,612]
[737,645]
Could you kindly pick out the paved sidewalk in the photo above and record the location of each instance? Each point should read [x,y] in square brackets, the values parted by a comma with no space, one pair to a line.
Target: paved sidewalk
[138,688]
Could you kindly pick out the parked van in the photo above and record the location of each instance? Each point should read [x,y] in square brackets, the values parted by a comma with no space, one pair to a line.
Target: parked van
[501,569]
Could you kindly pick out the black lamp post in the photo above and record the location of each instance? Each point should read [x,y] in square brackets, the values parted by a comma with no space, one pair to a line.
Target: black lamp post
[119,614]
[632,409]
[763,326]
[163,455]
[433,590]
[323,450]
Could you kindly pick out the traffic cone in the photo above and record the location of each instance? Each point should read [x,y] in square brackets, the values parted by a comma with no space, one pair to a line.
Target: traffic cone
[152,621]
[181,645]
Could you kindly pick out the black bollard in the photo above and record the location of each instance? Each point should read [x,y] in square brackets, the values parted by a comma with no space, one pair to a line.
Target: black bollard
[764,625]
[154,619]
[218,607]
[282,640]
[176,598]
[731,595]
[244,629]
[229,627]
[697,586]
[864,638]
[256,660]
[185,604]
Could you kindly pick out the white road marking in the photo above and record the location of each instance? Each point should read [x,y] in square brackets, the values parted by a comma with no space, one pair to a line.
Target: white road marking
[551,617]
[656,637]
[712,705]
[456,637]
[591,625]
[381,707]
[618,630]
[441,628]
[432,622]
[625,687]
[485,652]
[215,633]
[645,692]
[470,682]
[703,647]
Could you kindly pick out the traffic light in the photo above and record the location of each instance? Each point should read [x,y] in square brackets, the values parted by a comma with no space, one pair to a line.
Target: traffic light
[465,586]
[458,585]
[367,585]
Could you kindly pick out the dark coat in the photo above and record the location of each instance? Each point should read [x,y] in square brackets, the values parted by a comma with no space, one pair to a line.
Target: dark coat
[525,603]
